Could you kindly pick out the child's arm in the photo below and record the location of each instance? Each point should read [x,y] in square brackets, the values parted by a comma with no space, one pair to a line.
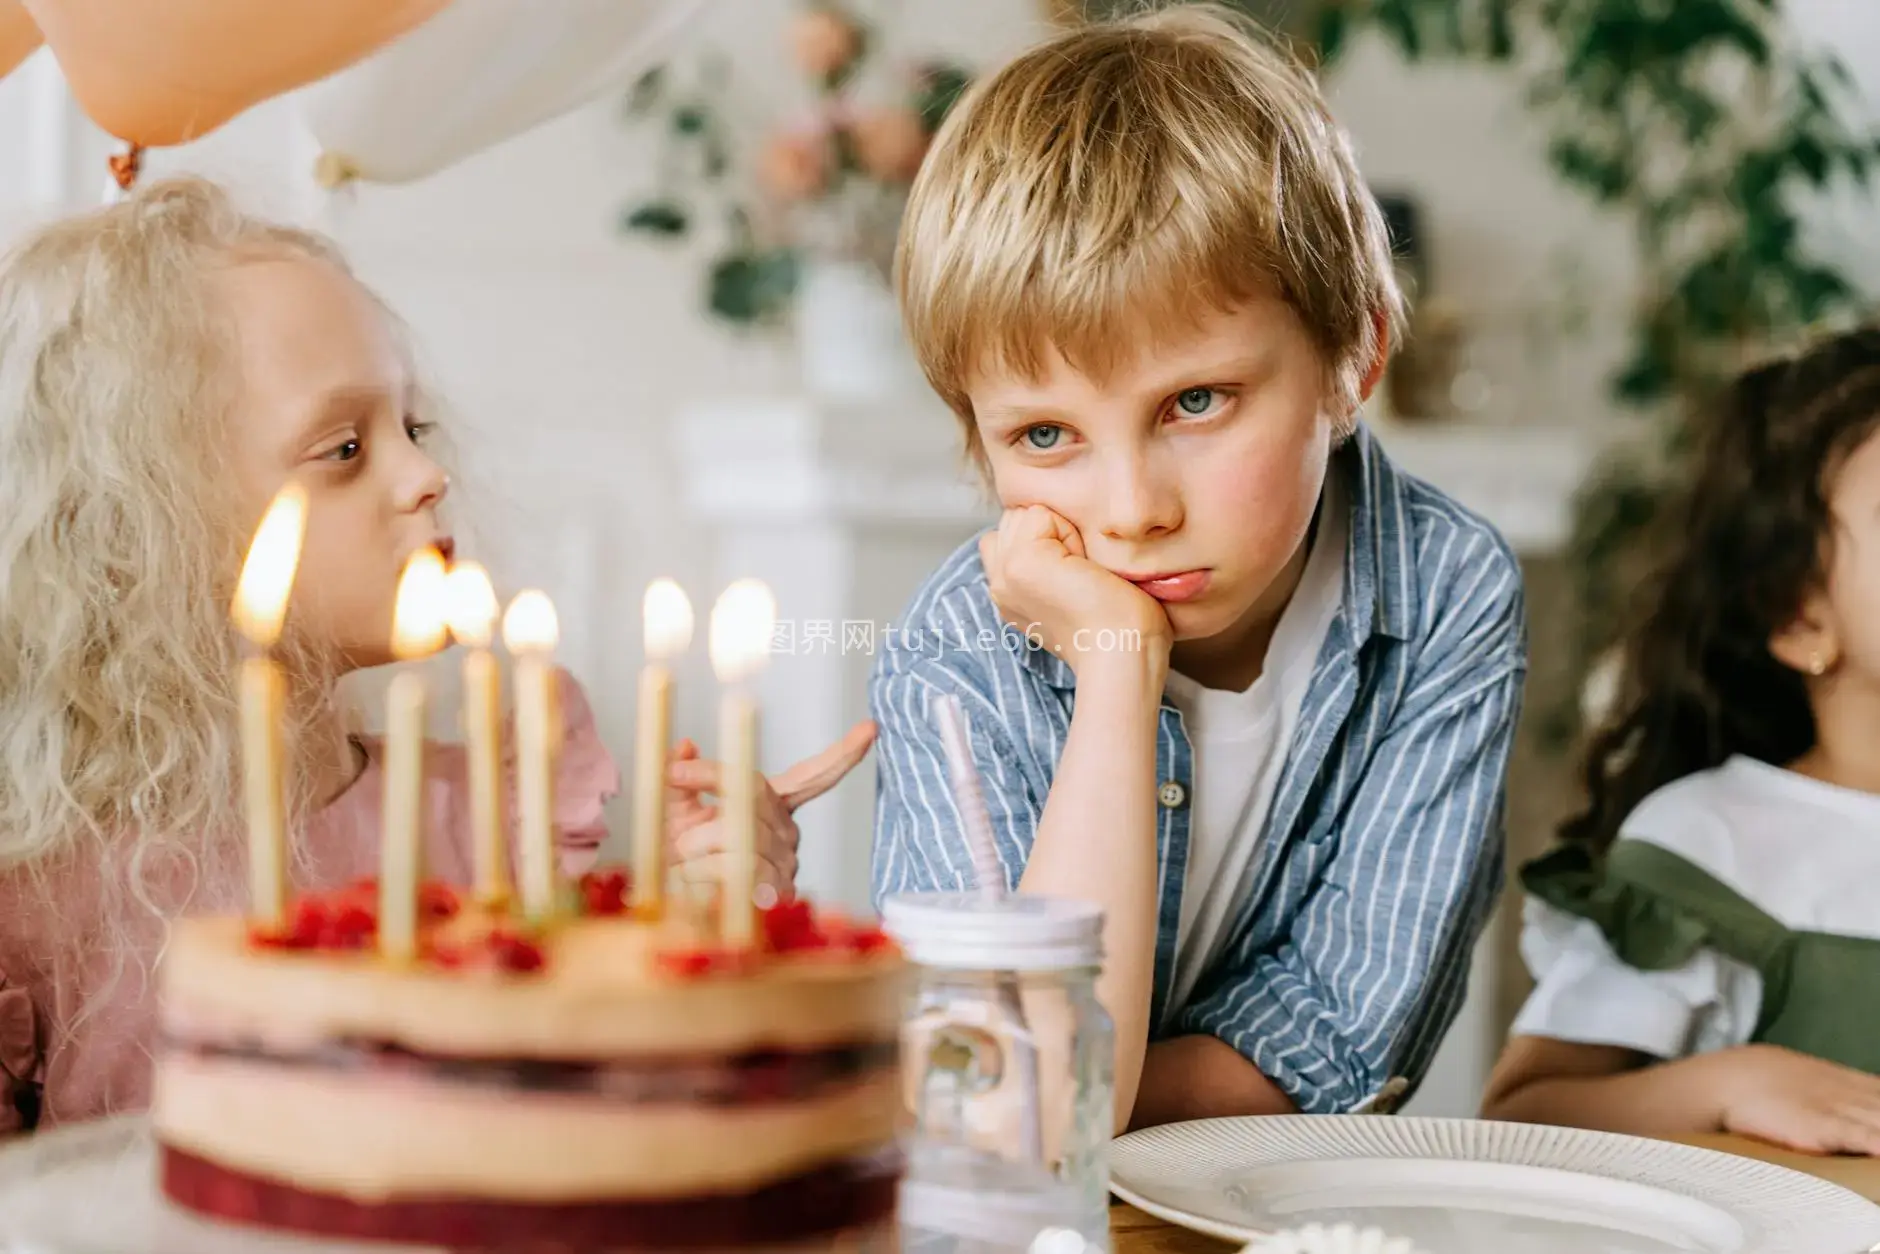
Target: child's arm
[1096,841]
[1361,989]
[1089,832]
[1762,1091]
[1202,1077]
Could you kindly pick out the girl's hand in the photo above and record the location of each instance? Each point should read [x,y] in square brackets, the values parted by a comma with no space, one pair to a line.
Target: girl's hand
[695,834]
[1797,1101]
[1047,587]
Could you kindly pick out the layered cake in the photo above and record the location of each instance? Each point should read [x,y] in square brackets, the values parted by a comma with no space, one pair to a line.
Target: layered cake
[604,1082]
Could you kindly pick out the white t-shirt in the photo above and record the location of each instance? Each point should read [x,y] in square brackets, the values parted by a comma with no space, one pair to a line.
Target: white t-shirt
[1805,852]
[1240,742]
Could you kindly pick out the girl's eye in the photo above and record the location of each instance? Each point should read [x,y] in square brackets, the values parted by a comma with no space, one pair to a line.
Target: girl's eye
[1044,436]
[1196,401]
[343,452]
[418,430]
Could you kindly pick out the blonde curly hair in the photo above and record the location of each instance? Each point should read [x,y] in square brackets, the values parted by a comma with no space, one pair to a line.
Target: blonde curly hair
[121,534]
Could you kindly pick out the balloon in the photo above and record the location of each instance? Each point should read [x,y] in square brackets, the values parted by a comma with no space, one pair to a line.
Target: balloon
[158,72]
[481,72]
[18,35]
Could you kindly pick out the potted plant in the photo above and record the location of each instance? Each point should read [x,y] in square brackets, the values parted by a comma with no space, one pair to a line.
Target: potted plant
[809,207]
[1704,122]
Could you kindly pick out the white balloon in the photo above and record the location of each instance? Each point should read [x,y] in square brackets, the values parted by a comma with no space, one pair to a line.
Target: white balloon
[480,72]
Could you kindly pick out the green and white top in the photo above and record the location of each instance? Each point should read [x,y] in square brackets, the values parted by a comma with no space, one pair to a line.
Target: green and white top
[1740,904]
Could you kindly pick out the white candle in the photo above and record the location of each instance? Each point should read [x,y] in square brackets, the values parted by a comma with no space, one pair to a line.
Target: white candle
[530,632]
[260,609]
[417,631]
[668,629]
[741,628]
[473,611]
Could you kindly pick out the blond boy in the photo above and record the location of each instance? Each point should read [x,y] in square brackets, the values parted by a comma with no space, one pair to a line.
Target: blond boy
[1229,673]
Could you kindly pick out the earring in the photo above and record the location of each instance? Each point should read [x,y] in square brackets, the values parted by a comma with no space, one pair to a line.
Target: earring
[1817,664]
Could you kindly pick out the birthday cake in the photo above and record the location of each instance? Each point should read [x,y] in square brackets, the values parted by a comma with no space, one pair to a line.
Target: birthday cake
[598,1082]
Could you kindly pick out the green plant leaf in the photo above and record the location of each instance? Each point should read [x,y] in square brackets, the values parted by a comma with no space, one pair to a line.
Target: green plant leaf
[1812,158]
[1399,20]
[1604,174]
[1645,377]
[1500,30]
[646,91]
[1334,26]
[752,287]
[656,217]
[940,88]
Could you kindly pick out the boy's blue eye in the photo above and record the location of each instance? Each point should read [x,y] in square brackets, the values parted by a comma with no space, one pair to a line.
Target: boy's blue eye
[1043,436]
[1195,401]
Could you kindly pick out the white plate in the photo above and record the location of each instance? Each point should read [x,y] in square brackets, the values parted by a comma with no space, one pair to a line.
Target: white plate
[1463,1186]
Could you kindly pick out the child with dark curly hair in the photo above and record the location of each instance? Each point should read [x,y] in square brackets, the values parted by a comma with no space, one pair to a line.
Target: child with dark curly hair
[1706,943]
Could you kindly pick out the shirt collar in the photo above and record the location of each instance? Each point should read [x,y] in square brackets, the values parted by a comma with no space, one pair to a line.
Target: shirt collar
[1380,594]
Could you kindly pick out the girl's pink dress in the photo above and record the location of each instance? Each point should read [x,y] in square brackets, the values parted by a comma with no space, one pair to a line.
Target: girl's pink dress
[60,1066]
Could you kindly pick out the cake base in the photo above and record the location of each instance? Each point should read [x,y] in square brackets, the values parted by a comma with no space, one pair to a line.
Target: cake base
[852,1195]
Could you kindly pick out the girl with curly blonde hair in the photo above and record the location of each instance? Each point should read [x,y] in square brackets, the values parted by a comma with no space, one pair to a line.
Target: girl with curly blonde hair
[166,365]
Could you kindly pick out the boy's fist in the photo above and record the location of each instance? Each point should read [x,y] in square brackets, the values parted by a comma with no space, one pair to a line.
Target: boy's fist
[1045,585]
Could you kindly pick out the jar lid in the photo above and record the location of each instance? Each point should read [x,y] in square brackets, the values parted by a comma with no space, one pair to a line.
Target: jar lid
[1020,932]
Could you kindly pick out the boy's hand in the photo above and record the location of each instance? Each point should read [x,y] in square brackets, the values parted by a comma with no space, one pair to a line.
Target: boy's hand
[696,837]
[1045,585]
[1794,1100]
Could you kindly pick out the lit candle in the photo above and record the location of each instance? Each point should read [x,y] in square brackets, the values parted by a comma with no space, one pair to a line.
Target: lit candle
[530,632]
[668,623]
[417,631]
[741,627]
[472,615]
[259,610]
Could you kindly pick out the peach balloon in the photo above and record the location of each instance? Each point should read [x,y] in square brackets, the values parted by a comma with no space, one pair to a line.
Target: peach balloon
[158,72]
[18,35]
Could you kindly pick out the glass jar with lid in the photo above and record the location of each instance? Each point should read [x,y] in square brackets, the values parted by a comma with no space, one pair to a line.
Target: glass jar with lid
[1009,1070]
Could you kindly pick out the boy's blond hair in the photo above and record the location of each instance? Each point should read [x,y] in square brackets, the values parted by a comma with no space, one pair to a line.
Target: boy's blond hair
[1119,176]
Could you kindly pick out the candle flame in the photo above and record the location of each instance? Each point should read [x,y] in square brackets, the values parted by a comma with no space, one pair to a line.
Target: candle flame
[268,572]
[418,628]
[668,617]
[472,607]
[530,623]
[743,622]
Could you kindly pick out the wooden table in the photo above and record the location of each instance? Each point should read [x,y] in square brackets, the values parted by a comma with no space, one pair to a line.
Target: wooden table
[1132,1232]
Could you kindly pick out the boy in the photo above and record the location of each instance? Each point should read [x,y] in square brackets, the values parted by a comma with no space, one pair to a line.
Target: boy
[1229,674]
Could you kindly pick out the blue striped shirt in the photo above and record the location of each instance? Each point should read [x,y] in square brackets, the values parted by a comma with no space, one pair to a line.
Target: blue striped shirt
[1383,852]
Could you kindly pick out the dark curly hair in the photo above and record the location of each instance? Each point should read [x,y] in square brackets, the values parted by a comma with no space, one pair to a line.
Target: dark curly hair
[1742,550]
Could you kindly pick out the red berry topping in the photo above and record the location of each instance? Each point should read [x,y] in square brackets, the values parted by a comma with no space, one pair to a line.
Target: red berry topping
[790,926]
[307,923]
[704,960]
[438,901]
[512,952]
[604,891]
[349,926]
[868,940]
[449,957]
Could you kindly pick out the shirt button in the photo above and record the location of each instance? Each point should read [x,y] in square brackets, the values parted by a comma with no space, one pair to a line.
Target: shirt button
[1172,795]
